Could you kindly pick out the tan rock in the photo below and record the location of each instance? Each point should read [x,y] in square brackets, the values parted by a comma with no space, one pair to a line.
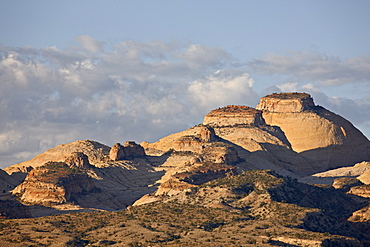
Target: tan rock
[116,152]
[286,102]
[78,159]
[315,132]
[207,134]
[132,149]
[233,115]
[95,151]
[361,190]
[54,182]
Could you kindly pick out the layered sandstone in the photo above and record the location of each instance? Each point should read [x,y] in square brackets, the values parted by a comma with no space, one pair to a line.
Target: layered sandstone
[53,183]
[315,132]
[286,102]
[95,151]
[78,159]
[234,115]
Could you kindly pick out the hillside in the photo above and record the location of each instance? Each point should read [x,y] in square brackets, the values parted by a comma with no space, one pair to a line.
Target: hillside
[253,168]
[255,208]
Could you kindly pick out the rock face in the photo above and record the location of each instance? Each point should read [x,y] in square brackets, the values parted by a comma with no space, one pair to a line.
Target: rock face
[207,134]
[287,134]
[128,150]
[116,152]
[315,132]
[133,149]
[95,151]
[78,159]
[286,102]
[234,115]
[55,182]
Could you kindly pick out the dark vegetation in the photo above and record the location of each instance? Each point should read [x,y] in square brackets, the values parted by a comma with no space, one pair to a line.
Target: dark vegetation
[281,207]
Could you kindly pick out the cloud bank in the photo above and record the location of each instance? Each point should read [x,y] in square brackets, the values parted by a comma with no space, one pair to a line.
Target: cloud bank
[144,91]
[126,91]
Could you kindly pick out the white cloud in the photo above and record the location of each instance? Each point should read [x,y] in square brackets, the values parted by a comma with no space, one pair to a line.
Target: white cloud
[314,67]
[132,91]
[89,43]
[222,88]
[141,91]
[288,87]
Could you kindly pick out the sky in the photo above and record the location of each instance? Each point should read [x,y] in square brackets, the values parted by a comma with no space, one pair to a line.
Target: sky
[114,71]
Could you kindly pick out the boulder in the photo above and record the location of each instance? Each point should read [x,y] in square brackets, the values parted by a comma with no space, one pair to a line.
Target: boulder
[207,134]
[78,159]
[116,152]
[132,149]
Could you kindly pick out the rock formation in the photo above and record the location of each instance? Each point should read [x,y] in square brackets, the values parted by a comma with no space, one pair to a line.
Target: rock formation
[315,132]
[132,150]
[286,102]
[95,151]
[287,134]
[207,134]
[233,115]
[129,150]
[116,152]
[78,159]
[55,182]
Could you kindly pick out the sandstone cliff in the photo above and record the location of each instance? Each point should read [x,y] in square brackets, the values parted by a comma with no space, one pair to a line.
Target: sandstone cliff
[233,115]
[287,134]
[314,132]
[54,182]
[95,151]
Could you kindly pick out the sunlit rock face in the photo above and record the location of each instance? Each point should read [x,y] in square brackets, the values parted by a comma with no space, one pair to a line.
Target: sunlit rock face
[286,102]
[234,115]
[315,132]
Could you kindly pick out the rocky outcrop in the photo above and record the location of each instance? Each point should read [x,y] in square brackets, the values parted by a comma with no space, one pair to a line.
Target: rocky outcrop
[361,190]
[339,175]
[7,183]
[116,152]
[207,134]
[55,182]
[95,151]
[365,177]
[286,102]
[133,149]
[129,150]
[234,115]
[315,132]
[346,183]
[78,159]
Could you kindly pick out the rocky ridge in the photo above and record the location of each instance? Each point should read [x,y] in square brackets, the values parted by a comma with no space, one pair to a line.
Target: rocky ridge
[219,164]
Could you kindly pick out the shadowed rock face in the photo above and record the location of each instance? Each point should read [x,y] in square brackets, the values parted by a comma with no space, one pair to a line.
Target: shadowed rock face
[128,150]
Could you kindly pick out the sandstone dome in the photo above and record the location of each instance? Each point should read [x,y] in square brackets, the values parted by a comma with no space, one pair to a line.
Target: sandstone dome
[313,131]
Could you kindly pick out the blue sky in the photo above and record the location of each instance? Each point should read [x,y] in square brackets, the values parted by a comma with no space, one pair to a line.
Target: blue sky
[143,69]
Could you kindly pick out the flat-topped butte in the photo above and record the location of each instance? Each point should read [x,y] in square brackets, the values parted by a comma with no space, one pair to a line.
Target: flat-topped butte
[234,115]
[286,102]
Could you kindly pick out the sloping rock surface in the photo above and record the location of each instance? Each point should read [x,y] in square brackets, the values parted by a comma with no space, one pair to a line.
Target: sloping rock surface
[314,132]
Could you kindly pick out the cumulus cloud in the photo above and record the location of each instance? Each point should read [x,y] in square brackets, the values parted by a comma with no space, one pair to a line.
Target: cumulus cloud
[88,43]
[129,91]
[144,91]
